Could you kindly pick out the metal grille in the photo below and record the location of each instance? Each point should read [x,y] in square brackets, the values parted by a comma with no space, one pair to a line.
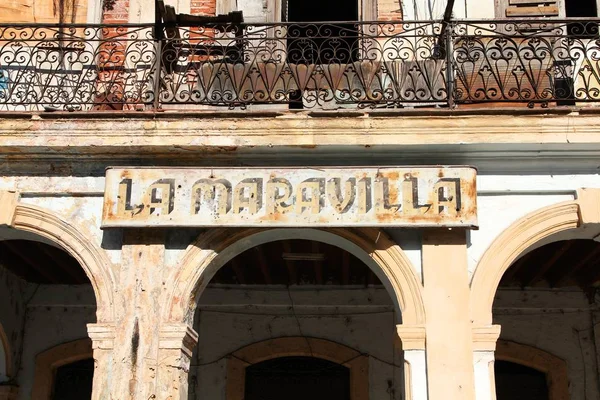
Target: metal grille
[333,65]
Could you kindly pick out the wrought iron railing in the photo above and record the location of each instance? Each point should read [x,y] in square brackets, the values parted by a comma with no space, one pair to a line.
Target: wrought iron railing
[327,65]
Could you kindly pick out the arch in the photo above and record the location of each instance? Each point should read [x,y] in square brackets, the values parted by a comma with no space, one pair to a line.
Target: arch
[216,247]
[48,361]
[95,263]
[5,356]
[555,368]
[357,363]
[524,235]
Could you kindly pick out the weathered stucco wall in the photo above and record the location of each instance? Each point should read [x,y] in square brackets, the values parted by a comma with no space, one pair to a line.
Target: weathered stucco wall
[232,318]
[559,322]
[38,317]
[56,314]
[13,293]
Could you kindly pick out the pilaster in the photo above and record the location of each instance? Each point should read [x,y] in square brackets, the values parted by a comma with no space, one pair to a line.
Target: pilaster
[176,344]
[448,327]
[484,345]
[103,339]
[8,203]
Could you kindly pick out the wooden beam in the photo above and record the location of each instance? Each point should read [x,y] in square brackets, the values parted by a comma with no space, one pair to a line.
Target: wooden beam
[318,264]
[547,266]
[570,272]
[345,267]
[15,264]
[289,264]
[264,267]
[540,11]
[515,268]
[33,262]
[66,263]
[239,271]
[590,278]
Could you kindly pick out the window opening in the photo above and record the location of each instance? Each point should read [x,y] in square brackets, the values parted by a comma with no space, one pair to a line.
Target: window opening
[297,378]
[313,42]
[74,381]
[518,382]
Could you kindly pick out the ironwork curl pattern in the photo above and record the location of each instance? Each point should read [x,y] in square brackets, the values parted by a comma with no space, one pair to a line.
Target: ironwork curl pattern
[531,61]
[75,67]
[328,65]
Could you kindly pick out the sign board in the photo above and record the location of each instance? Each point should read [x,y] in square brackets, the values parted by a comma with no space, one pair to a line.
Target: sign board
[291,197]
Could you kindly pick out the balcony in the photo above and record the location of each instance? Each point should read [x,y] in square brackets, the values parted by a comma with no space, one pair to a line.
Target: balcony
[322,66]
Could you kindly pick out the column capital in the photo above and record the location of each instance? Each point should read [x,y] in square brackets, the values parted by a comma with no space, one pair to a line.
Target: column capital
[485,337]
[412,336]
[8,392]
[178,336]
[102,335]
[8,204]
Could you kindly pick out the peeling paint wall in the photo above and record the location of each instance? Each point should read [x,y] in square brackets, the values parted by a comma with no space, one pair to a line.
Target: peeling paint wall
[13,293]
[230,319]
[559,322]
[38,317]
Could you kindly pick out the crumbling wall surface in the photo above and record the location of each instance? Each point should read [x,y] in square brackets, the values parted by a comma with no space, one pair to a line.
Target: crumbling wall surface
[556,321]
[13,294]
[230,319]
[56,314]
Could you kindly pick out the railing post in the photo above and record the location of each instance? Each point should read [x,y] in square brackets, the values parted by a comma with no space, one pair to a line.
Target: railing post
[449,63]
[158,41]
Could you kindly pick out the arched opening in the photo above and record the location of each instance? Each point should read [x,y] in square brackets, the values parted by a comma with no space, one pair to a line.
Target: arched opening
[548,299]
[296,297]
[50,302]
[297,378]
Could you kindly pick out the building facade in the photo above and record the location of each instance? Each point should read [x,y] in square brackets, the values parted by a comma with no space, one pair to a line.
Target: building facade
[227,200]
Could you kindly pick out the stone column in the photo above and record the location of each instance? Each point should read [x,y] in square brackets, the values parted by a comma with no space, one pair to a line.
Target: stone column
[484,345]
[8,392]
[413,344]
[103,338]
[137,315]
[448,326]
[176,344]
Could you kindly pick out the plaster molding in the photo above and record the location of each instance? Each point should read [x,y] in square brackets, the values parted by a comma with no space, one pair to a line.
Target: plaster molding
[357,363]
[412,337]
[555,368]
[485,337]
[198,266]
[102,336]
[177,337]
[512,243]
[48,361]
[589,206]
[8,202]
[76,242]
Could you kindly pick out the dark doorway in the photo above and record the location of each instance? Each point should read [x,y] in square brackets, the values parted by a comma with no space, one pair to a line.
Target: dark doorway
[74,381]
[311,41]
[517,382]
[297,378]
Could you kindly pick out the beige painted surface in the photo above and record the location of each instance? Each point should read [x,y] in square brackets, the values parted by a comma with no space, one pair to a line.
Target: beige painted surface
[449,337]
